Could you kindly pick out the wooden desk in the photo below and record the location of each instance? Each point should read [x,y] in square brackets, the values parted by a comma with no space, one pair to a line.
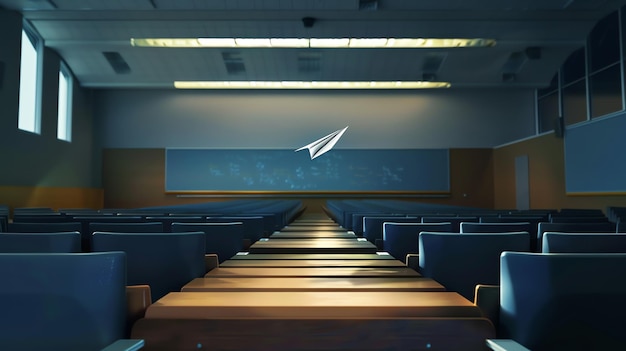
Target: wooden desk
[269,321]
[372,256]
[275,246]
[312,263]
[304,228]
[313,284]
[321,234]
[349,272]
[309,304]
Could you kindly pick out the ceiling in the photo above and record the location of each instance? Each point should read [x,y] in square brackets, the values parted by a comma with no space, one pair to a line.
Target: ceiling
[533,38]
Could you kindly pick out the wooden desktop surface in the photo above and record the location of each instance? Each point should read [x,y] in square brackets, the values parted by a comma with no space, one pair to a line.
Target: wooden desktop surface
[311,304]
[350,272]
[312,263]
[356,257]
[312,246]
[304,228]
[313,284]
[312,234]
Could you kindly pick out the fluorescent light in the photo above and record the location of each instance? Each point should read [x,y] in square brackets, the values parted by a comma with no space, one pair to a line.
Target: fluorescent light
[289,43]
[217,42]
[309,85]
[329,42]
[313,42]
[253,42]
[368,42]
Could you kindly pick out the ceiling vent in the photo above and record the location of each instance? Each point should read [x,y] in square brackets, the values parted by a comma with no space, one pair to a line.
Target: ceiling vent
[233,62]
[368,5]
[432,62]
[309,62]
[117,62]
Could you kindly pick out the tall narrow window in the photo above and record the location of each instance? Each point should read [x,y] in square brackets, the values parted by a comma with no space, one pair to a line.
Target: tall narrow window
[64,124]
[29,116]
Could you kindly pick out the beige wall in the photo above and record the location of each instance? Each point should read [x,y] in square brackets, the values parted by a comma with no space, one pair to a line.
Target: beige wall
[546,177]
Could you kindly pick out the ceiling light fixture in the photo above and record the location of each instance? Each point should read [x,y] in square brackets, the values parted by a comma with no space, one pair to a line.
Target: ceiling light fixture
[406,43]
[309,85]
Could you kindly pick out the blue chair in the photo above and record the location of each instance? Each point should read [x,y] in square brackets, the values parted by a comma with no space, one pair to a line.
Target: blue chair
[562,301]
[584,242]
[37,227]
[164,261]
[253,226]
[168,220]
[461,261]
[373,226]
[400,239]
[503,227]
[140,227]
[62,242]
[74,301]
[601,227]
[454,221]
[223,239]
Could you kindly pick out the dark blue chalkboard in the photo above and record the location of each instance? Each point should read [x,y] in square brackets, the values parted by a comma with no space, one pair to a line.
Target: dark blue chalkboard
[340,170]
[594,156]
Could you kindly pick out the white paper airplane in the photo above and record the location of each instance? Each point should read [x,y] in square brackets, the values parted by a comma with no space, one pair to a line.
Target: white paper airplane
[323,145]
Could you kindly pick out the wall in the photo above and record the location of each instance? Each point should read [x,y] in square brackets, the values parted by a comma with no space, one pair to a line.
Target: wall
[136,125]
[546,177]
[136,178]
[451,118]
[40,170]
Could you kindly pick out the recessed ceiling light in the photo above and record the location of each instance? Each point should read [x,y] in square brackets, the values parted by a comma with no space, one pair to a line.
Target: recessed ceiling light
[309,85]
[312,42]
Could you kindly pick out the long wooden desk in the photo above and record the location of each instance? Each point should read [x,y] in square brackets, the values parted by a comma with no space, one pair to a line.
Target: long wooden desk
[311,263]
[313,284]
[310,234]
[309,304]
[347,272]
[304,228]
[339,256]
[275,246]
[313,321]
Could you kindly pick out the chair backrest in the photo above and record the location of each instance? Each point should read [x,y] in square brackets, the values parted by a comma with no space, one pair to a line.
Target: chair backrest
[357,220]
[253,226]
[168,220]
[461,261]
[503,228]
[74,301]
[563,301]
[165,261]
[223,239]
[584,219]
[139,227]
[62,242]
[400,239]
[373,226]
[26,227]
[603,227]
[455,222]
[583,242]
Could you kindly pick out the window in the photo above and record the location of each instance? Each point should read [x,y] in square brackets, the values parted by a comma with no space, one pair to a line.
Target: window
[548,105]
[29,117]
[64,125]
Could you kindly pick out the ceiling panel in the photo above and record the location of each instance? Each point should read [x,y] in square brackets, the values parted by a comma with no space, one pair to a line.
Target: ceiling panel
[81,30]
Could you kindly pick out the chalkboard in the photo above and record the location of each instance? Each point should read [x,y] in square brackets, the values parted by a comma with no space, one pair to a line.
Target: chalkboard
[594,156]
[340,170]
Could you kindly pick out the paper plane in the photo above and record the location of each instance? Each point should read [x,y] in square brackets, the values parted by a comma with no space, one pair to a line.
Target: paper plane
[323,145]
